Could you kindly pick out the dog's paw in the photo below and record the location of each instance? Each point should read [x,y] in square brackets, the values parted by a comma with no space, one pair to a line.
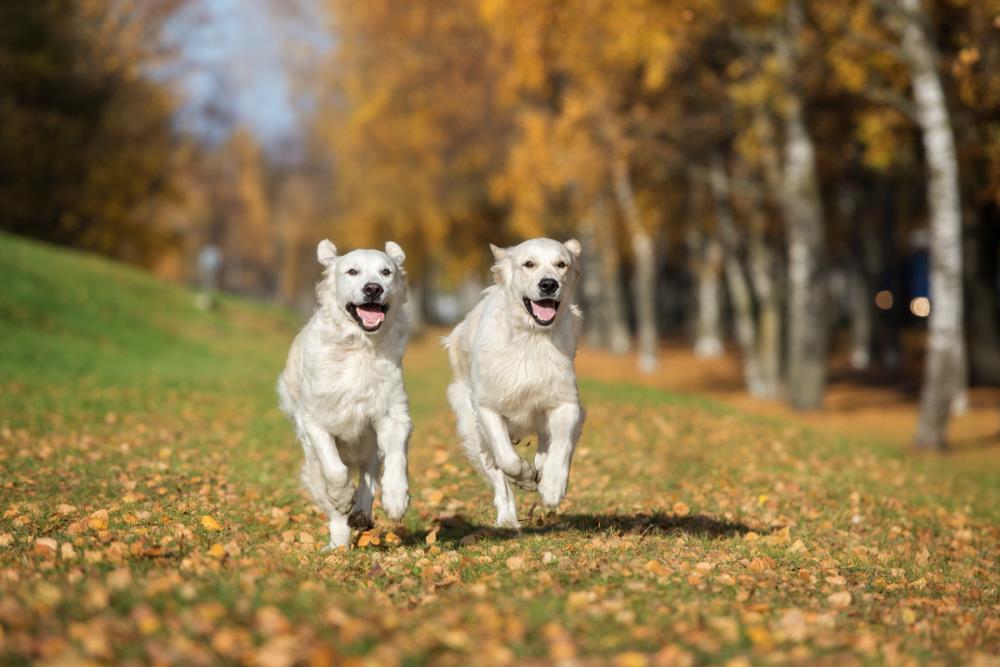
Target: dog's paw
[552,488]
[360,520]
[395,502]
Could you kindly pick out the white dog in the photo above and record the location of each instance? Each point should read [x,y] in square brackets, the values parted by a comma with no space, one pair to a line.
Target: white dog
[343,388]
[513,362]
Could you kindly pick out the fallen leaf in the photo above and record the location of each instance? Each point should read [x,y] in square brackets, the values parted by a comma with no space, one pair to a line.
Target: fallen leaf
[630,659]
[369,537]
[46,546]
[210,523]
[839,599]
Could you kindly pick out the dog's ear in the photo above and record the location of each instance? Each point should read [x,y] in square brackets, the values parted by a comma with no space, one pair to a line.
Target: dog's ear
[501,267]
[326,252]
[574,247]
[395,253]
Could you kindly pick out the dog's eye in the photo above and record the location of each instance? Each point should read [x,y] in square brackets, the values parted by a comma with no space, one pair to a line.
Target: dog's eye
[352,272]
[561,264]
[529,264]
[386,272]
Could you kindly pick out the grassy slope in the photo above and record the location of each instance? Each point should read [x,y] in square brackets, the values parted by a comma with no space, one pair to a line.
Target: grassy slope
[692,532]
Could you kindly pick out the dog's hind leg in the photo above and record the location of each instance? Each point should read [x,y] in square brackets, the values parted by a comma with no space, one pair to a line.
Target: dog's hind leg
[361,516]
[468,426]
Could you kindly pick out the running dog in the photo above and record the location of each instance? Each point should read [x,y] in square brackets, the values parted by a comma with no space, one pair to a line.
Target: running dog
[512,358]
[342,387]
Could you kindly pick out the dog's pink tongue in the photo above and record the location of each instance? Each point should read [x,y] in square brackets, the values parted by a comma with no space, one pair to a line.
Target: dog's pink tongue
[544,310]
[371,315]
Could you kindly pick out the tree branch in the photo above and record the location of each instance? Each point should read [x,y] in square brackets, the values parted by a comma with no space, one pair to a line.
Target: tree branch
[891,98]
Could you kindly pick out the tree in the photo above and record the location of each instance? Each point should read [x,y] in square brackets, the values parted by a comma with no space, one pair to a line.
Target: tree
[945,357]
[804,227]
[85,134]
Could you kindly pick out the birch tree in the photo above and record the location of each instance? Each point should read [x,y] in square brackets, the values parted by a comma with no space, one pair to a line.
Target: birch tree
[945,357]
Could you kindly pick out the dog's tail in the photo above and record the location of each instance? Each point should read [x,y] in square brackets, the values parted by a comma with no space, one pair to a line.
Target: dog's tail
[468,425]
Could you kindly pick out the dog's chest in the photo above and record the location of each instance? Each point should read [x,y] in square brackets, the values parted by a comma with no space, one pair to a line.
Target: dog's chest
[349,393]
[522,380]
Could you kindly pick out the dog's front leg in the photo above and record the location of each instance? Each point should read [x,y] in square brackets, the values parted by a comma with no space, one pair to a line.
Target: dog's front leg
[393,432]
[564,424]
[517,469]
[336,483]
[339,486]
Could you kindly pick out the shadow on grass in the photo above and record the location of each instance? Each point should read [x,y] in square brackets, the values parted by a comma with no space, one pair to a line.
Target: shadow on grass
[458,529]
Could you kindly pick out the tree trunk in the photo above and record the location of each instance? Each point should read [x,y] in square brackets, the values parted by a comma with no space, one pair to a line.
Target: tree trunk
[764,264]
[644,254]
[736,280]
[860,298]
[805,234]
[765,268]
[982,267]
[415,307]
[614,294]
[601,285]
[288,273]
[883,262]
[595,327]
[860,295]
[942,369]
[706,260]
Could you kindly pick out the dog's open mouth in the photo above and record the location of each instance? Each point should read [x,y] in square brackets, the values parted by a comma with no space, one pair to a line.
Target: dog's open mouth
[369,316]
[543,311]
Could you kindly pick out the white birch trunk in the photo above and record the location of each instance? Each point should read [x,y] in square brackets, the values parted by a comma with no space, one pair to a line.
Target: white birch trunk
[707,272]
[943,372]
[736,279]
[614,295]
[805,234]
[644,254]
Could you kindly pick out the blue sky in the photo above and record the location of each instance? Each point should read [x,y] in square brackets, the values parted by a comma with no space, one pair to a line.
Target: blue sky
[237,63]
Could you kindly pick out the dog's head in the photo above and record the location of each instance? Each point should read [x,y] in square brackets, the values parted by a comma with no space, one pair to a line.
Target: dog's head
[541,274]
[365,287]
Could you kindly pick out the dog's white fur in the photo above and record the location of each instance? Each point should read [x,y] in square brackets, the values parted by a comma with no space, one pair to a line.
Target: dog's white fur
[343,388]
[514,377]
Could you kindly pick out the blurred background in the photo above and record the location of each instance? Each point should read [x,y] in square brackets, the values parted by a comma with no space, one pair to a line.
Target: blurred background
[802,194]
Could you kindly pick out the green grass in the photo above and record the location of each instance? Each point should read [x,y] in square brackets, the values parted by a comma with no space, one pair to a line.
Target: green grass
[692,532]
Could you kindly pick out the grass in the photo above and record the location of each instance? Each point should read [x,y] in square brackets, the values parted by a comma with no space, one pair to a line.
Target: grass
[150,513]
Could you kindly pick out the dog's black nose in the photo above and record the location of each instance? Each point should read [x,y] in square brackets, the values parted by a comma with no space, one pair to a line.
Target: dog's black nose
[373,290]
[548,285]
